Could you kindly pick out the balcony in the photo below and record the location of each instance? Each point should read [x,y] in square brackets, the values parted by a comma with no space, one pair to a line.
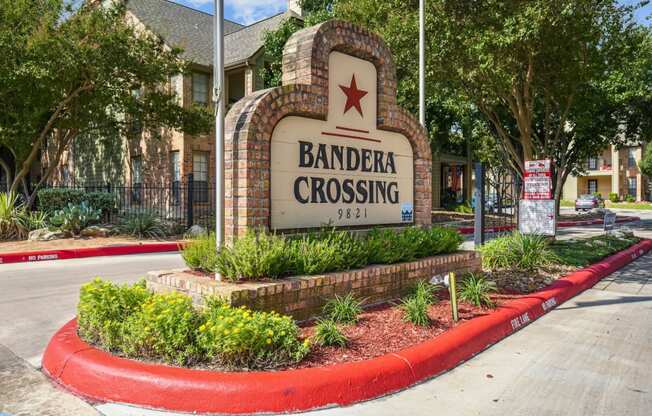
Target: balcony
[598,168]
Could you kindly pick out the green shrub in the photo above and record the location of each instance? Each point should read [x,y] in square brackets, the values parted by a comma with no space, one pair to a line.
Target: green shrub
[476,289]
[254,256]
[164,328]
[51,200]
[259,255]
[613,197]
[426,291]
[415,309]
[517,252]
[344,310]
[464,208]
[201,253]
[143,225]
[630,198]
[240,338]
[103,309]
[34,220]
[328,334]
[75,218]
[11,217]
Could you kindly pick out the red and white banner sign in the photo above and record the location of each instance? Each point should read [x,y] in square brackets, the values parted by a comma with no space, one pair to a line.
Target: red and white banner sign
[538,180]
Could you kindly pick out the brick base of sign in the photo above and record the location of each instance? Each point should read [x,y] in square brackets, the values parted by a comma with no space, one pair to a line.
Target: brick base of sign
[303,297]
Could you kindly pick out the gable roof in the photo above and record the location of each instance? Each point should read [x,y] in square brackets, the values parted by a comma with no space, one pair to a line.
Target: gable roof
[192,30]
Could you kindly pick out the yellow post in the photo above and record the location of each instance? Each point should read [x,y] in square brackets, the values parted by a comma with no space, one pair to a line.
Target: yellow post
[453,292]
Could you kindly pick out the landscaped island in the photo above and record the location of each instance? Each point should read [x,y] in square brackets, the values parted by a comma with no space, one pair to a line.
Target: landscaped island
[134,322]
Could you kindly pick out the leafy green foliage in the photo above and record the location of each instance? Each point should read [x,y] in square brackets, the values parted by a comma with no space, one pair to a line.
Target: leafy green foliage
[517,252]
[343,309]
[476,289]
[164,328]
[258,255]
[645,165]
[104,308]
[201,253]
[415,306]
[51,200]
[143,225]
[328,334]
[613,197]
[34,220]
[74,218]
[68,72]
[132,321]
[239,338]
[630,199]
[11,217]
[586,251]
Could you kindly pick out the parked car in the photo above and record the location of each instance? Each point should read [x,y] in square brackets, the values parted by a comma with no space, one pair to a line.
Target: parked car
[588,202]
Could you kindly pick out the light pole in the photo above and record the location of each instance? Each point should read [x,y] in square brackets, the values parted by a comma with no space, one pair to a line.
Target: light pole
[218,102]
[422,63]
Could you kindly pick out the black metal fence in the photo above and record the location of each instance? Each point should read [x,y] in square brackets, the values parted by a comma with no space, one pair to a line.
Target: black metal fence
[497,192]
[182,203]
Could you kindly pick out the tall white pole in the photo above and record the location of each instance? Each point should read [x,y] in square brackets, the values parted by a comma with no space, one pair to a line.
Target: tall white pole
[218,101]
[422,63]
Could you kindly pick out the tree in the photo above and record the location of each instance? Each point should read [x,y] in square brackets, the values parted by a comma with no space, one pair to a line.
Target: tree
[646,162]
[66,73]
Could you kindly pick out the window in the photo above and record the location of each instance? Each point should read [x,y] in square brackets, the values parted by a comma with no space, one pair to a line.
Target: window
[631,186]
[200,176]
[592,163]
[136,179]
[175,177]
[200,88]
[631,157]
[593,186]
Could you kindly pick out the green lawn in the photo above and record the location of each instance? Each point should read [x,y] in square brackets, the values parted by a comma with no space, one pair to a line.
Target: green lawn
[629,205]
[566,203]
[582,252]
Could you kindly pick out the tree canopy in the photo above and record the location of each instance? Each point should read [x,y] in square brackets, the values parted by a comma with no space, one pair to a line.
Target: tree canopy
[558,79]
[68,72]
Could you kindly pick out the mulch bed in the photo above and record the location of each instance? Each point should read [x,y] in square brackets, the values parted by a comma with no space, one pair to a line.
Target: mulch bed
[382,330]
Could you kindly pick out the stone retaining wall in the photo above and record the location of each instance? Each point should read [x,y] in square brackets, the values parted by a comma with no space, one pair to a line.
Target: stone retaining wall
[303,296]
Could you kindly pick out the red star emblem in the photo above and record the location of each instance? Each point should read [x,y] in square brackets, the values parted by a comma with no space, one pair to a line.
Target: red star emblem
[353,96]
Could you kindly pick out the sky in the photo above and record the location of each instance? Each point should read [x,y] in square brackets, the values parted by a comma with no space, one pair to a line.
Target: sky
[249,11]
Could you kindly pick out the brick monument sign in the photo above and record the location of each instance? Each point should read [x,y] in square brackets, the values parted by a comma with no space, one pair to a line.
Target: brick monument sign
[330,146]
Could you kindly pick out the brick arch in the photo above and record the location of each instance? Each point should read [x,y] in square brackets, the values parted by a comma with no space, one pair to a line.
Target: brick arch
[251,121]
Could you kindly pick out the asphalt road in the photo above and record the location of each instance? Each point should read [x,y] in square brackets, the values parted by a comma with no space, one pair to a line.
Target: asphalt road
[36,299]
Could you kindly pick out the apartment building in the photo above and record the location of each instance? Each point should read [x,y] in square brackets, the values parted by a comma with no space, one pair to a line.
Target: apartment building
[614,170]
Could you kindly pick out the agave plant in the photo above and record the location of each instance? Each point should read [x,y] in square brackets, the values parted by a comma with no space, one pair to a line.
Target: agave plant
[74,218]
[143,225]
[12,212]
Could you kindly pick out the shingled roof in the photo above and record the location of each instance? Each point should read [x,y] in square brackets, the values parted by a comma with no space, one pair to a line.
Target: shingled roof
[192,30]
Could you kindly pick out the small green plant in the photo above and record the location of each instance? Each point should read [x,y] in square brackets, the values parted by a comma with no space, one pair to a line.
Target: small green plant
[426,291]
[328,334]
[613,197]
[34,220]
[11,217]
[143,225]
[74,218]
[201,253]
[518,251]
[630,198]
[103,309]
[476,289]
[241,338]
[344,310]
[415,309]
[253,256]
[164,328]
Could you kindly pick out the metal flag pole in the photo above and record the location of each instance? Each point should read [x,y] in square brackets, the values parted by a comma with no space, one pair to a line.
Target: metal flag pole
[422,63]
[218,101]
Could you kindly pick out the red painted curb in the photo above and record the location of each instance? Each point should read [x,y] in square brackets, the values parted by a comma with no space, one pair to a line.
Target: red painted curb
[103,377]
[561,224]
[77,253]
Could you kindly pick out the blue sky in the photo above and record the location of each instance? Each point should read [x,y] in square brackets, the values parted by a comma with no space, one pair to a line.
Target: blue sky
[249,11]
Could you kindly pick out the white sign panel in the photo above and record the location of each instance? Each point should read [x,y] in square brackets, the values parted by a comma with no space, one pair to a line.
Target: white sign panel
[342,171]
[537,216]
